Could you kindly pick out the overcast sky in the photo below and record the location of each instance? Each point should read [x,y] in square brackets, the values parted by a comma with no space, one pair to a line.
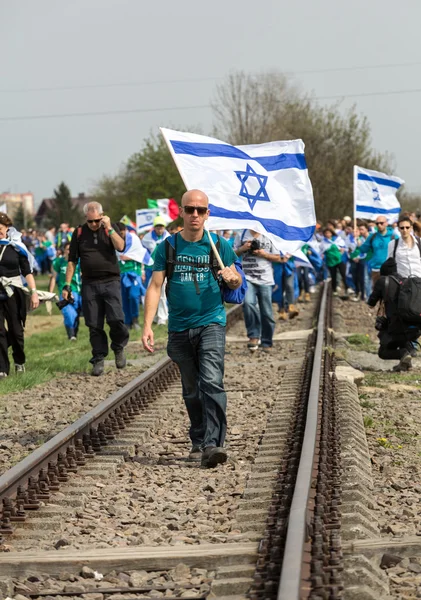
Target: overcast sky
[164,43]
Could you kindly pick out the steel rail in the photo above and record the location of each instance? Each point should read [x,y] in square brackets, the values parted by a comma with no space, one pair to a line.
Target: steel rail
[17,477]
[298,523]
[40,457]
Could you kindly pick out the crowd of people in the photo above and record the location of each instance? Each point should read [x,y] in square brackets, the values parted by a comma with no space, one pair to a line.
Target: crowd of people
[105,271]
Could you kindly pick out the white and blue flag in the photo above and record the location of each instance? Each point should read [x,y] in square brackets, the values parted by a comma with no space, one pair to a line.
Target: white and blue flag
[375,194]
[262,187]
[144,219]
[135,250]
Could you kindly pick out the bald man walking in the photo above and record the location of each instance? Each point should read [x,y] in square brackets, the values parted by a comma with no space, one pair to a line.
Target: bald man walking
[196,325]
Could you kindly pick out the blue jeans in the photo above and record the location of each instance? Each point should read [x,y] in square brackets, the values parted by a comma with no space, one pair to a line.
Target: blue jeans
[258,314]
[130,297]
[199,354]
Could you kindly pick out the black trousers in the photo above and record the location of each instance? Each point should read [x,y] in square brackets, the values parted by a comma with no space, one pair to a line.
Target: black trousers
[10,313]
[103,301]
[392,347]
[334,274]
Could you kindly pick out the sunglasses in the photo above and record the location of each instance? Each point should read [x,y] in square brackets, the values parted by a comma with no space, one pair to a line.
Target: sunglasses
[93,220]
[381,222]
[405,227]
[201,210]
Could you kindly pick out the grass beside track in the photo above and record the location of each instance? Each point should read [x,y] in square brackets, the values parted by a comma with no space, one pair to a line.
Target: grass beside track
[49,353]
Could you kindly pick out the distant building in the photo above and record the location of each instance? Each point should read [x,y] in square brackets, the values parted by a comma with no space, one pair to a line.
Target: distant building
[48,204]
[10,203]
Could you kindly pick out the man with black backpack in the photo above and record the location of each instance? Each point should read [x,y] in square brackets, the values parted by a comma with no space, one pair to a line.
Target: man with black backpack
[406,250]
[196,324]
[95,244]
[396,334]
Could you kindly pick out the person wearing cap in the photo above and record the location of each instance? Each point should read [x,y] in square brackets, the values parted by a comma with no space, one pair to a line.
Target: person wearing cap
[151,240]
[395,339]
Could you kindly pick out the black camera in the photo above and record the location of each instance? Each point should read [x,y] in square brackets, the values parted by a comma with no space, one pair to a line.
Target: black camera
[381,323]
[62,303]
[255,245]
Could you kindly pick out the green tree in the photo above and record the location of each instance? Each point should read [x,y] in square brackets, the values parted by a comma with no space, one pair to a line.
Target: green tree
[19,217]
[63,209]
[257,108]
[150,173]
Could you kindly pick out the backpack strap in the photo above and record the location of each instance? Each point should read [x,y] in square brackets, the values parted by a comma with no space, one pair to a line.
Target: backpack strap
[417,241]
[396,247]
[372,238]
[170,258]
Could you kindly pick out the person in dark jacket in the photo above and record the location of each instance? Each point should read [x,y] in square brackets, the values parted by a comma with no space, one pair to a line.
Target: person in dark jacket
[95,244]
[395,337]
[14,263]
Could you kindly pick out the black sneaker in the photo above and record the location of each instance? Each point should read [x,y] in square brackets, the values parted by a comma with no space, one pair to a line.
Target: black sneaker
[213,456]
[120,359]
[195,453]
[98,368]
[19,368]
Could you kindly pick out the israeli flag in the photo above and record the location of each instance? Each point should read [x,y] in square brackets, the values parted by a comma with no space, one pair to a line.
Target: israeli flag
[262,187]
[375,194]
[144,219]
[135,250]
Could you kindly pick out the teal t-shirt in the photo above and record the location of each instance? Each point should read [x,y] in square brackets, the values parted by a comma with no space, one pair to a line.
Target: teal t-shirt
[187,309]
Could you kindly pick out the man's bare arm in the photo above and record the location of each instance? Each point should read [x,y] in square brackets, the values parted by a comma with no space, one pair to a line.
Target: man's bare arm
[151,306]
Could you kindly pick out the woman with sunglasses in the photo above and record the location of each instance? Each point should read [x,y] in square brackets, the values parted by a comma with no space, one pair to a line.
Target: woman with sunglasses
[406,250]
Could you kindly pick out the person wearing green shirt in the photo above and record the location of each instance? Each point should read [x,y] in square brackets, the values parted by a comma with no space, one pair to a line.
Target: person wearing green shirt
[71,312]
[196,324]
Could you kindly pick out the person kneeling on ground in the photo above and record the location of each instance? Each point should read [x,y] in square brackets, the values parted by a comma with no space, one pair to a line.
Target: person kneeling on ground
[395,337]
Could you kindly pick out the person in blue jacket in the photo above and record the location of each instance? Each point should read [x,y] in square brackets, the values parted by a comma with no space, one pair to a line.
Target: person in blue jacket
[378,243]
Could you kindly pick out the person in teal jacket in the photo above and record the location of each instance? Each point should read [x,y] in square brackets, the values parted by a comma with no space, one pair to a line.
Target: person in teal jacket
[378,243]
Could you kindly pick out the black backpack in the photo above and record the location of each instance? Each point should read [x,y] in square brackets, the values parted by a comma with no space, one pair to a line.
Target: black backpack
[409,301]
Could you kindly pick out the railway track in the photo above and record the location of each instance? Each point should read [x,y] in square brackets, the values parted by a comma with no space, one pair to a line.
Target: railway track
[115,492]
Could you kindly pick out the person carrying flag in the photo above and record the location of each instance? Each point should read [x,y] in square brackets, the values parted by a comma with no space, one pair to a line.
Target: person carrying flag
[197,319]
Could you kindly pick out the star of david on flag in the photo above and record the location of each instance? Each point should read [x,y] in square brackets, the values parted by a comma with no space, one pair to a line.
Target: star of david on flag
[248,175]
[375,194]
[264,187]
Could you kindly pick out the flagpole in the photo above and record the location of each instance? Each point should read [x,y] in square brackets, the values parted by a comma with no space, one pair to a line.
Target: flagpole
[355,199]
[212,243]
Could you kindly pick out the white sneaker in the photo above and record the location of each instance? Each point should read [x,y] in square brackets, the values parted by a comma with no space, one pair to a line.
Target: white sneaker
[3,375]
[350,292]
[19,368]
[73,338]
[355,298]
